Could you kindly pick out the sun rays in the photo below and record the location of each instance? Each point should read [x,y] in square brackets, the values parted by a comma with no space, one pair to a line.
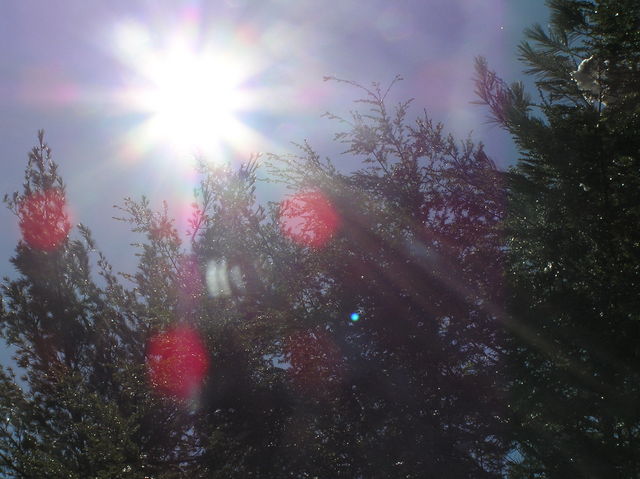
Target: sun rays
[189,93]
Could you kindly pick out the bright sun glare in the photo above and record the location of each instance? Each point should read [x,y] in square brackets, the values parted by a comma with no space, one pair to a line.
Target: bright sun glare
[191,96]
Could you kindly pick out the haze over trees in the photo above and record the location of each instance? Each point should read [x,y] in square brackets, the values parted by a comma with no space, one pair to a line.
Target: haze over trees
[349,330]
[425,315]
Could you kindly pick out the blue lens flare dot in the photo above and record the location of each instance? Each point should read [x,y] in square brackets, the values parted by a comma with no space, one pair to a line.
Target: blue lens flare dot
[355,317]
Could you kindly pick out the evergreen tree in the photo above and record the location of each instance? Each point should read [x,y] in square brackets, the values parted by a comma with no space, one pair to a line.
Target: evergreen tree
[574,242]
[409,247]
[382,289]
[82,408]
[351,330]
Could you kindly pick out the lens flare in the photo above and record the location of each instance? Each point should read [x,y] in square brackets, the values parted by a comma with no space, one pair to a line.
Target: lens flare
[355,317]
[192,99]
[177,362]
[223,280]
[44,220]
[309,219]
[191,91]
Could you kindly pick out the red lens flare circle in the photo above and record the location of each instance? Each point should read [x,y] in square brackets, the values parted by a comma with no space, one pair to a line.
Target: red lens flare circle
[44,219]
[309,219]
[177,362]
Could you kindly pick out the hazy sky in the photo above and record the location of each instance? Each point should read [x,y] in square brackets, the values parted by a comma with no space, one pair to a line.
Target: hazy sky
[83,71]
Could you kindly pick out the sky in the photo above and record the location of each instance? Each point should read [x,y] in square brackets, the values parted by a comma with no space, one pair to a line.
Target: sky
[130,91]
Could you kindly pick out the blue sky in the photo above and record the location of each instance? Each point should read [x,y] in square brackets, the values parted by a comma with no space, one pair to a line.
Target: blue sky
[77,69]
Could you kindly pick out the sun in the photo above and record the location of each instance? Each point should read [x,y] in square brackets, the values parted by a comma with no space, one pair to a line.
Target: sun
[190,96]
[193,98]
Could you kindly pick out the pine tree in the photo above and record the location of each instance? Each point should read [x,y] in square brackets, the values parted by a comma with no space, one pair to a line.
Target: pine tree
[573,242]
[81,407]
[416,258]
[351,330]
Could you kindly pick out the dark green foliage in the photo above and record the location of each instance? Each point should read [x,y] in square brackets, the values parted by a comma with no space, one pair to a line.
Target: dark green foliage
[82,408]
[574,242]
[418,253]
[295,388]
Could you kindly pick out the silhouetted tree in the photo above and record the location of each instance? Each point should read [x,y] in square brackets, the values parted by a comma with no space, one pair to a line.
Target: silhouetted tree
[82,407]
[410,385]
[574,242]
[351,330]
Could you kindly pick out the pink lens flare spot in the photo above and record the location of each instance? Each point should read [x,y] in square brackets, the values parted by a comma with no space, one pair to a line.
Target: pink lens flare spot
[177,362]
[316,363]
[44,219]
[309,218]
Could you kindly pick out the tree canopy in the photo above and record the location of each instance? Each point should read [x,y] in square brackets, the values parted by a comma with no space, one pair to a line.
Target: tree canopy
[424,315]
[573,242]
[349,330]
